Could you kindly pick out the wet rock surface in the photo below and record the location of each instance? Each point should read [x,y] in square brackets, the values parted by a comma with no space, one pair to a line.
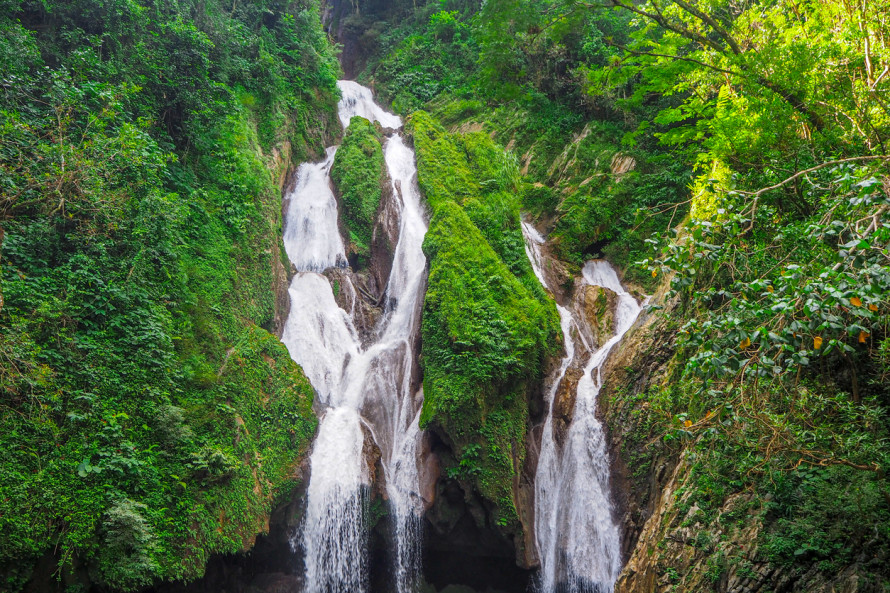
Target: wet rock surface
[461,548]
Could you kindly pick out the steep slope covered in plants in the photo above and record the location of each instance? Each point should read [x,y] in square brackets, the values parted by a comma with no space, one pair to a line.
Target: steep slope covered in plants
[148,418]
[487,323]
[358,174]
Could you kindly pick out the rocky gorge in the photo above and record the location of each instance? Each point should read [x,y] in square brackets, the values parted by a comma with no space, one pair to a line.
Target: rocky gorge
[450,297]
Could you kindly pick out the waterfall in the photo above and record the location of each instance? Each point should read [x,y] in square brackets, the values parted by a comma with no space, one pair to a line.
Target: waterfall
[311,237]
[356,99]
[575,528]
[363,391]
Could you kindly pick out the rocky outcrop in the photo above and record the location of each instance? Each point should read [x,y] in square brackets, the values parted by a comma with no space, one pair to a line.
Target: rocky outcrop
[462,545]
[669,543]
[597,305]
[679,551]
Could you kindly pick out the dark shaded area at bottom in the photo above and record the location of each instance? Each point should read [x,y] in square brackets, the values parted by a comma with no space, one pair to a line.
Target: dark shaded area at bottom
[272,566]
[456,572]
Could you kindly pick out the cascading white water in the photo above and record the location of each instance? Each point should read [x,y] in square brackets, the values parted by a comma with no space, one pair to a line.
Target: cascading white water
[334,538]
[405,289]
[575,530]
[356,99]
[359,388]
[311,237]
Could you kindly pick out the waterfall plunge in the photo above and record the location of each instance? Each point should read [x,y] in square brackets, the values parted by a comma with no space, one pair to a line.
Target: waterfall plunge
[575,531]
[359,388]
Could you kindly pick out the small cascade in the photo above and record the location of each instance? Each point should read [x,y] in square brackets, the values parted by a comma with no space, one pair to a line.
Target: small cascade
[363,391]
[575,528]
[406,288]
[312,239]
[356,99]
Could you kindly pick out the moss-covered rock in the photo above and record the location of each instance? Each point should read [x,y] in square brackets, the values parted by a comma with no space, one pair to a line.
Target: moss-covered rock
[487,324]
[358,174]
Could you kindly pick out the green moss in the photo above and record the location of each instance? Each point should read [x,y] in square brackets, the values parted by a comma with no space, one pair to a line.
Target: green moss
[358,173]
[443,171]
[485,332]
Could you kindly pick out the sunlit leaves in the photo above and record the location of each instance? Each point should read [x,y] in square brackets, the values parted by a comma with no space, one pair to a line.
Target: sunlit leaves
[783,317]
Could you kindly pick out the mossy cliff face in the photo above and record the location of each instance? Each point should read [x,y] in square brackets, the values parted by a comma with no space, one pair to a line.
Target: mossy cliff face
[486,330]
[141,441]
[358,174]
[149,417]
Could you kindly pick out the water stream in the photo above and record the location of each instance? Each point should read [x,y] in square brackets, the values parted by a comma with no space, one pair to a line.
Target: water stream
[367,400]
[364,392]
[575,529]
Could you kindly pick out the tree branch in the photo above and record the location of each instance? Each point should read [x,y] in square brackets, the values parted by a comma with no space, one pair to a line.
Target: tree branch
[762,191]
[675,57]
[788,95]
[706,18]
[662,20]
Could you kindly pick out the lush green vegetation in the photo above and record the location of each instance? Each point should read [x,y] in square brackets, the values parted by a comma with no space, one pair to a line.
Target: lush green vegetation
[587,168]
[148,418]
[359,175]
[783,271]
[487,324]
[628,115]
[784,382]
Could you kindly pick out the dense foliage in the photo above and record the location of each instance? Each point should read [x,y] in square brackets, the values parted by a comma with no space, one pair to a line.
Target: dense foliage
[783,270]
[487,323]
[505,70]
[767,121]
[358,173]
[784,380]
[147,416]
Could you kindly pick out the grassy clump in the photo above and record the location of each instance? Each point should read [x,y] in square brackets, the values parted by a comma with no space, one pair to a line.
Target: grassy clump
[485,332]
[358,173]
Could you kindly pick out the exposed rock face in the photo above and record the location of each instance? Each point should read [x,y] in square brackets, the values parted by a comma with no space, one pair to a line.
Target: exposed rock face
[641,464]
[598,305]
[459,520]
[462,547]
[429,470]
[279,163]
[622,163]
[564,402]
[342,20]
[384,239]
